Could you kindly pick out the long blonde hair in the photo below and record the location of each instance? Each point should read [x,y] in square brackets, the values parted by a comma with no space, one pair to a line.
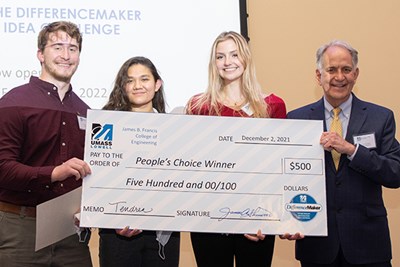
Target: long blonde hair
[251,89]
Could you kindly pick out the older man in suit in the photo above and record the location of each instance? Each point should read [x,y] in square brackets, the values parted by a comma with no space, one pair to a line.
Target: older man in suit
[368,157]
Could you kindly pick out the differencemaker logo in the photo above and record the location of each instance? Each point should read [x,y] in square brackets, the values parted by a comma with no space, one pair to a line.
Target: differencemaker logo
[303,207]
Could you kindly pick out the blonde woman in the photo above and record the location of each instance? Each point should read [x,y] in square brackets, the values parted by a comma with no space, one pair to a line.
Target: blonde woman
[233,91]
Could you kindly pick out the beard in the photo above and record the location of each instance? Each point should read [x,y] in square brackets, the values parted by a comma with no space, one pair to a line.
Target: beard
[58,73]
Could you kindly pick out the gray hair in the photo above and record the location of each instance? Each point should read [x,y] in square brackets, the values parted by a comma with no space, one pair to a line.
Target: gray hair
[322,50]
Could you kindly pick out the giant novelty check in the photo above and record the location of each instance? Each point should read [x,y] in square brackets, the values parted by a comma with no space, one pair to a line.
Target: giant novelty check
[203,174]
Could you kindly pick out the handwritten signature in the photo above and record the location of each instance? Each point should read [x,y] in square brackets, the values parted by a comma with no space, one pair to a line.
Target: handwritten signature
[121,207]
[246,213]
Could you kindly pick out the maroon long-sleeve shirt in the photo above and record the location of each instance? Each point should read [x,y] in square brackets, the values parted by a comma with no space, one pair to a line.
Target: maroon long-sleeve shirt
[38,131]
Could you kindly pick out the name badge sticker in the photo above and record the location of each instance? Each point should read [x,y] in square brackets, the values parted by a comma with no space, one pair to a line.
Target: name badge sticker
[367,140]
[247,109]
[81,122]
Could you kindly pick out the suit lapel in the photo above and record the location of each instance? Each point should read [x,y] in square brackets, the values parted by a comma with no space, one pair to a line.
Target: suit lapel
[357,119]
[318,113]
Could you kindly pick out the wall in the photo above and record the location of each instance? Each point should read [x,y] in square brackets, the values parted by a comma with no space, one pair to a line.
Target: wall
[284,35]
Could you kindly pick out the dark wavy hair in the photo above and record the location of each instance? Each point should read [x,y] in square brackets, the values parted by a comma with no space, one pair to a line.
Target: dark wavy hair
[119,100]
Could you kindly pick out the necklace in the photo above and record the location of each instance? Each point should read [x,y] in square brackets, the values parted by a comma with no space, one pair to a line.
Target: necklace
[233,103]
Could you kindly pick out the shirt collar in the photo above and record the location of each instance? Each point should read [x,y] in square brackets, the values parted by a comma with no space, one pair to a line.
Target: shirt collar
[345,106]
[47,86]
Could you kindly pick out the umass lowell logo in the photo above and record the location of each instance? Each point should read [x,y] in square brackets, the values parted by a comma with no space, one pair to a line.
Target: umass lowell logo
[102,136]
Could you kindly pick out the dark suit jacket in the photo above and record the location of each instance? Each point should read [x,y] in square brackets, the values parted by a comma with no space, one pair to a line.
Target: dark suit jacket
[357,218]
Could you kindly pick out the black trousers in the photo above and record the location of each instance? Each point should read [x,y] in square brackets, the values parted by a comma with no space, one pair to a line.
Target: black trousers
[219,250]
[340,261]
[139,251]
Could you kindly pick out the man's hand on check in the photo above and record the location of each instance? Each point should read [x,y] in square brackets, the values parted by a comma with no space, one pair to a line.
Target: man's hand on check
[295,236]
[128,232]
[255,237]
[332,140]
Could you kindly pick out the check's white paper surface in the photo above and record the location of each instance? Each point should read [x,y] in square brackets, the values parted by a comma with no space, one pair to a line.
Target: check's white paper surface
[203,174]
[55,218]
